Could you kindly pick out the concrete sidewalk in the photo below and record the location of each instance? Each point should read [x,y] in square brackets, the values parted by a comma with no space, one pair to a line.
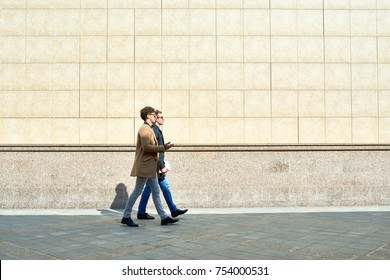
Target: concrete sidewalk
[327,233]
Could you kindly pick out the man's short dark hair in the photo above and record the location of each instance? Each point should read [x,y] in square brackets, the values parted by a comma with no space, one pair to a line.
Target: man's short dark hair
[146,111]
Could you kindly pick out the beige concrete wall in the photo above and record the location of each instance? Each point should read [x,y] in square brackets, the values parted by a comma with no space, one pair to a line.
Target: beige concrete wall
[222,71]
[201,176]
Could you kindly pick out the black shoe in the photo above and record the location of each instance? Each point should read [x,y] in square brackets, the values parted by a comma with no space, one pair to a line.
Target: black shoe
[178,212]
[145,216]
[129,222]
[168,220]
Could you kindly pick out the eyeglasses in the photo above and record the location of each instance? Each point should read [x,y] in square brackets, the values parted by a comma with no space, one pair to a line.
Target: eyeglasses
[160,117]
[154,115]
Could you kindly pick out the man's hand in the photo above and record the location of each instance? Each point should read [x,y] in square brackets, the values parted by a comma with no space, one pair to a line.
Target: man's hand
[168,145]
[164,170]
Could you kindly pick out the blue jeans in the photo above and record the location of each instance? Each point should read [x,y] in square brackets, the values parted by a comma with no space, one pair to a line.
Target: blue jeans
[139,186]
[164,185]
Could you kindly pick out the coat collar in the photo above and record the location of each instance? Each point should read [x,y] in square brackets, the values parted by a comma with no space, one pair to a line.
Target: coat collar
[151,126]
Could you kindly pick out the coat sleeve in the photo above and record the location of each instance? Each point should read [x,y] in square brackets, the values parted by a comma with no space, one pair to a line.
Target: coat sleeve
[146,134]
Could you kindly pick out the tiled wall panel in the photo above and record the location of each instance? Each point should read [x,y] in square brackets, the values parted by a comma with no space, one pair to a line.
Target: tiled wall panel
[223,72]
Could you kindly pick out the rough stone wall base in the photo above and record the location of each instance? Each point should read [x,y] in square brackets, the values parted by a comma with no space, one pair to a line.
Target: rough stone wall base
[201,176]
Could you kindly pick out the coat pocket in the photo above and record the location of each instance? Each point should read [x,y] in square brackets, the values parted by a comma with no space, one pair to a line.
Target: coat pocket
[148,158]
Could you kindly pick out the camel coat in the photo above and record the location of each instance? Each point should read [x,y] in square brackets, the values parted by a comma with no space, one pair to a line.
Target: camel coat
[146,153]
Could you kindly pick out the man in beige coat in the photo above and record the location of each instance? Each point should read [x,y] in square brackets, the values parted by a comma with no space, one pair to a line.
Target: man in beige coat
[145,168]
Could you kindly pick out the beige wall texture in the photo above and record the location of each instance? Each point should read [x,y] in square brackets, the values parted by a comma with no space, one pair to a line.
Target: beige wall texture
[222,71]
[201,177]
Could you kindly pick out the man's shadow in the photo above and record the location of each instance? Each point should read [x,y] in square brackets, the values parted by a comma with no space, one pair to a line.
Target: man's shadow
[121,197]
